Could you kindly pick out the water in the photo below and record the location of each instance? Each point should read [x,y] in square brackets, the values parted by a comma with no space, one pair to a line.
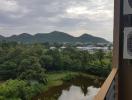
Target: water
[80,88]
[75,93]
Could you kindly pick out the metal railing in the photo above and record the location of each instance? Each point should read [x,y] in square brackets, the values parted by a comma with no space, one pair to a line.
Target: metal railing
[108,89]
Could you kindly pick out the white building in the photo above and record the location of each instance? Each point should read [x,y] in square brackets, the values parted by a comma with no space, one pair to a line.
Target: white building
[92,49]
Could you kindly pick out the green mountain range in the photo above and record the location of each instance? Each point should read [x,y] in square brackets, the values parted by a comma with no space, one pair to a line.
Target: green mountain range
[55,36]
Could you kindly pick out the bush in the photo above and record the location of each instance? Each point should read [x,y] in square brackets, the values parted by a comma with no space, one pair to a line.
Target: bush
[19,90]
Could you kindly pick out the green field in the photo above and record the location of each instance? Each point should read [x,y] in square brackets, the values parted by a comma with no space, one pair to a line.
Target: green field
[57,78]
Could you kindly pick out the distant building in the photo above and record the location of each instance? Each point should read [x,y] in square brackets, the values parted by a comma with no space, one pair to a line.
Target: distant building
[63,47]
[92,49]
[52,48]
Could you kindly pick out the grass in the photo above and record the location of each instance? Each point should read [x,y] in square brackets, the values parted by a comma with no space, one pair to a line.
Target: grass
[56,78]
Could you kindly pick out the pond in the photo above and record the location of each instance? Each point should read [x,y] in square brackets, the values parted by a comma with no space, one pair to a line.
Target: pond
[80,88]
[75,93]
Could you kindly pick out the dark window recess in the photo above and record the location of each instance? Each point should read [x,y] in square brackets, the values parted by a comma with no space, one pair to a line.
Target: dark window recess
[128,20]
[129,43]
[130,2]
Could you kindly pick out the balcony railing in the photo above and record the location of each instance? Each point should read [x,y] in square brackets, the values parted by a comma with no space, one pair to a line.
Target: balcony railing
[108,89]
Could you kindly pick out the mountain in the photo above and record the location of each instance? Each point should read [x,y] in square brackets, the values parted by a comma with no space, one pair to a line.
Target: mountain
[54,36]
[24,37]
[1,37]
[89,38]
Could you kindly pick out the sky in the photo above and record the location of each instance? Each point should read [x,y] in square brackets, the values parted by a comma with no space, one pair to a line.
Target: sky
[74,17]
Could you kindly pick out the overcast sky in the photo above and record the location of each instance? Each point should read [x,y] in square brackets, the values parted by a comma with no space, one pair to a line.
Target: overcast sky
[71,16]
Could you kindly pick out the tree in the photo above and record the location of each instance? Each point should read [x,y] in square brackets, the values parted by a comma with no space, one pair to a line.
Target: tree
[47,62]
[8,70]
[100,55]
[66,62]
[30,69]
[19,90]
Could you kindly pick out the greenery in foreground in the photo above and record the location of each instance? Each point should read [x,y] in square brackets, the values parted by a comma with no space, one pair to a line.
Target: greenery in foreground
[19,90]
[27,67]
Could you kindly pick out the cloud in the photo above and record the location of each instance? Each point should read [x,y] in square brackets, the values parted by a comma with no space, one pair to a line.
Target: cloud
[8,6]
[73,16]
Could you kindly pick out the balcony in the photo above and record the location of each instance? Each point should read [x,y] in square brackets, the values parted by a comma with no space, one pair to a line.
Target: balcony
[108,90]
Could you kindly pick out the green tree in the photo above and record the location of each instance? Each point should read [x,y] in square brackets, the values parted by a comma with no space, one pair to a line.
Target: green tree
[19,90]
[30,69]
[100,55]
[47,62]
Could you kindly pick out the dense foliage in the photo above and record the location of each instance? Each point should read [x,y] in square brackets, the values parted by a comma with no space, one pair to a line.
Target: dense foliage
[19,90]
[28,65]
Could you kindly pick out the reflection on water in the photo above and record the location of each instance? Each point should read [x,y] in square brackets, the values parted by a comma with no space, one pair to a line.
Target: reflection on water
[80,88]
[76,93]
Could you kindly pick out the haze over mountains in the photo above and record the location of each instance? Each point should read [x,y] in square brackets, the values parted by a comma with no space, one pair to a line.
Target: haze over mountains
[52,37]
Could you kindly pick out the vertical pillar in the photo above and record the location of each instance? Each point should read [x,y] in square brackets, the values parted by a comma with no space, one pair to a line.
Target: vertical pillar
[122,54]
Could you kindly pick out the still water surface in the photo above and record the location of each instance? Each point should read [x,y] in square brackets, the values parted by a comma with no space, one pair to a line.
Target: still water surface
[75,93]
[80,88]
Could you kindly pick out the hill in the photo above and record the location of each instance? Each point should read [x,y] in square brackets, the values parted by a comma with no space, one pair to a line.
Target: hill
[54,36]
